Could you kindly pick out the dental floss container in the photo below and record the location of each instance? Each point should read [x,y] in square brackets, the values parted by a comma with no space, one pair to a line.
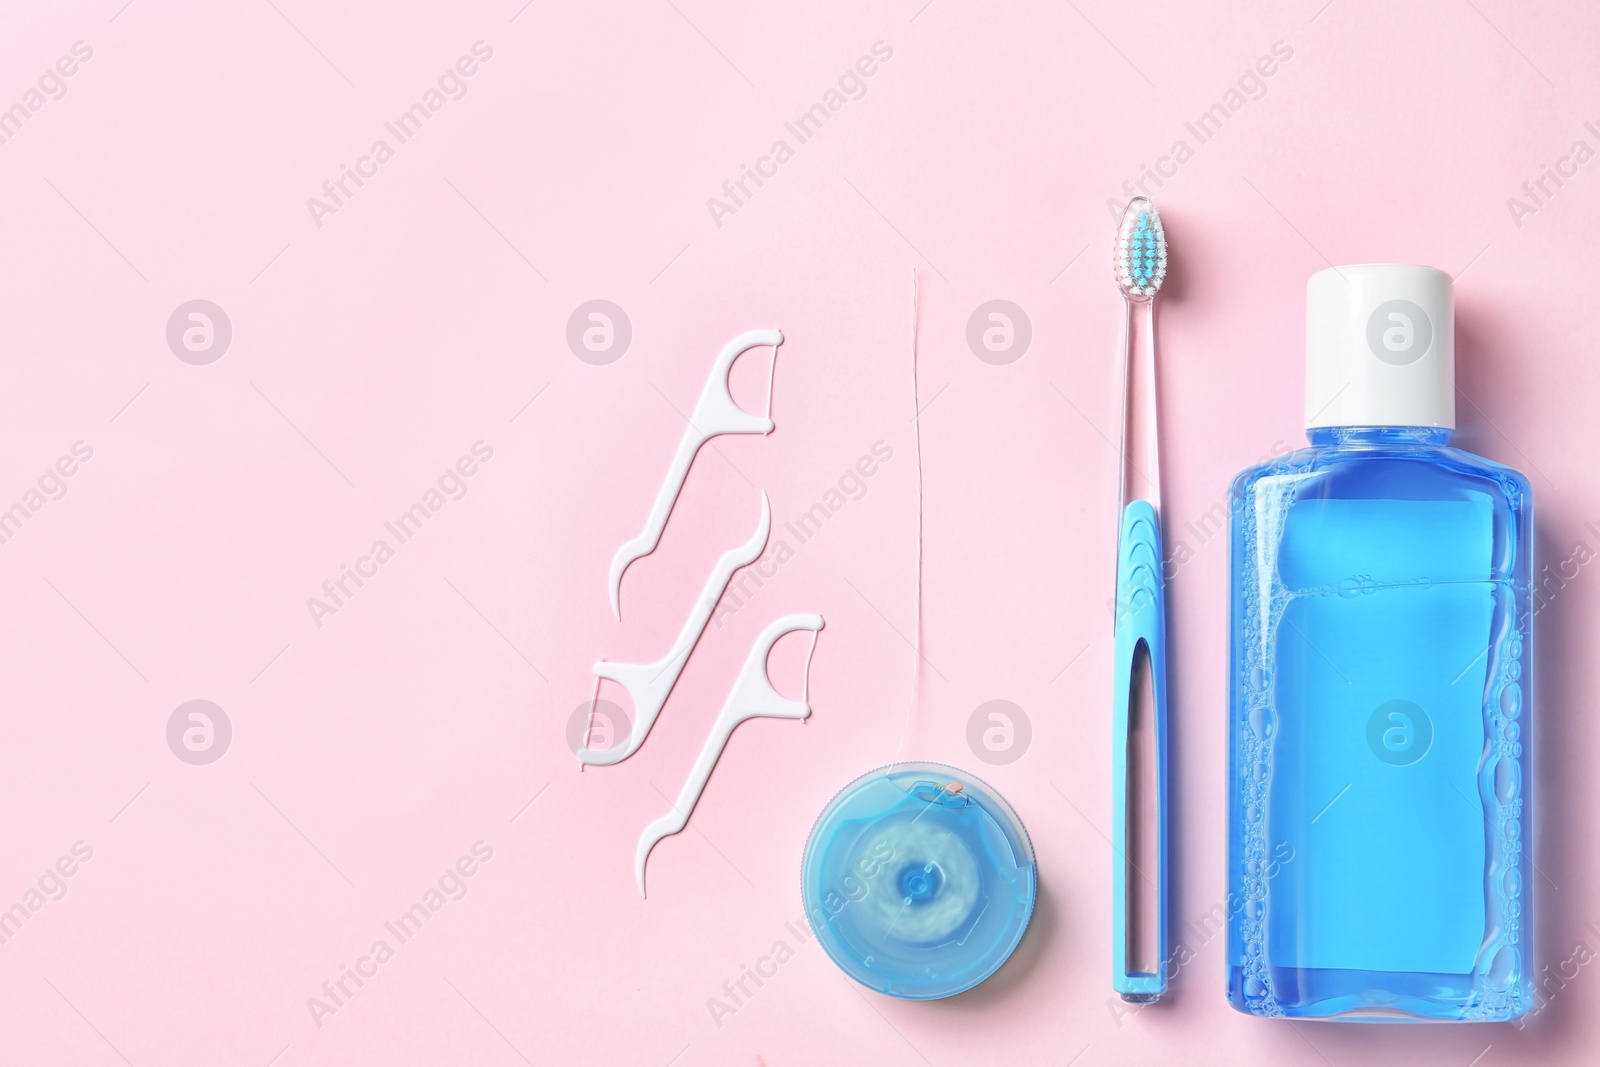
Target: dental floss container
[919,880]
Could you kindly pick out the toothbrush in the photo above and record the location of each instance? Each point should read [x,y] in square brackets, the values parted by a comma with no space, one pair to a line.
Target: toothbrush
[1140,626]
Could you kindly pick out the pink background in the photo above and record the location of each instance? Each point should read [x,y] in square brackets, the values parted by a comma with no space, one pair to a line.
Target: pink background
[429,312]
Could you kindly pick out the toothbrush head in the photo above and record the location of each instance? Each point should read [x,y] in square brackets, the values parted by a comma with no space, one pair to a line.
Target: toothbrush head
[1141,250]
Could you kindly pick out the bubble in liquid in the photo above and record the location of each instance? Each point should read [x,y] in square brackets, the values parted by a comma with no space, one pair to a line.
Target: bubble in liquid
[1261,722]
[1511,701]
[1507,780]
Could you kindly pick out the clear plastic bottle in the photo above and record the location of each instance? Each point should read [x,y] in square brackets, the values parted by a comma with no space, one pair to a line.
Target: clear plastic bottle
[1380,863]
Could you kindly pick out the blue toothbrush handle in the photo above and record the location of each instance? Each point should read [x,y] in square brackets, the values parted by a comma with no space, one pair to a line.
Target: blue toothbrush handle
[1141,619]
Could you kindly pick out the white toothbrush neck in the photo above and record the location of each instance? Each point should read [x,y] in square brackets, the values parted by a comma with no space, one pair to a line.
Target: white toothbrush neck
[1140,475]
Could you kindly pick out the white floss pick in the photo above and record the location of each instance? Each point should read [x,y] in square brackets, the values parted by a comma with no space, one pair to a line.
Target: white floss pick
[716,413]
[649,684]
[751,697]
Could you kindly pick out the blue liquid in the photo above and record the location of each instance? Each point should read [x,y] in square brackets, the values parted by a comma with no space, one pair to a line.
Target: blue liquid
[1378,726]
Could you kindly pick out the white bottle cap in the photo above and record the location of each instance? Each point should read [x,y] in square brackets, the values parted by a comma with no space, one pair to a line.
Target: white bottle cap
[1380,347]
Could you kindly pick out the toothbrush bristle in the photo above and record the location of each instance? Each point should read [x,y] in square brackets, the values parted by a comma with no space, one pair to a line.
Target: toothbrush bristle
[1141,250]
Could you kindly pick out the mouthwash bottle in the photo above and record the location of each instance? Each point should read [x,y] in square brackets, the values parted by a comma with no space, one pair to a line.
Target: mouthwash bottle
[1379,856]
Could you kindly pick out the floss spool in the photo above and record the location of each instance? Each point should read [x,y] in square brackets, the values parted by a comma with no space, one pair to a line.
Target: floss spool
[919,880]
